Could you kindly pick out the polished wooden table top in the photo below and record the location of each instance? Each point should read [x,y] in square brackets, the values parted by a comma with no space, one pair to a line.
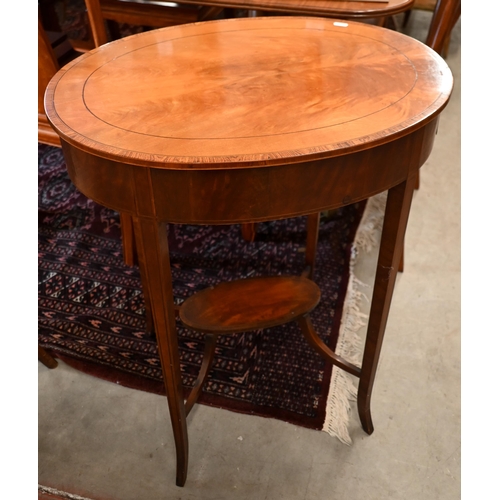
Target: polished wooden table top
[242,93]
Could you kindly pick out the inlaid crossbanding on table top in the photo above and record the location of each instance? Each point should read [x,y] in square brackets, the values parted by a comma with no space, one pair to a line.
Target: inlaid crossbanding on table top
[237,92]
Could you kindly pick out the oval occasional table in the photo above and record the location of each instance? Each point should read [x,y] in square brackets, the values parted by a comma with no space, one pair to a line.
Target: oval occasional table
[249,120]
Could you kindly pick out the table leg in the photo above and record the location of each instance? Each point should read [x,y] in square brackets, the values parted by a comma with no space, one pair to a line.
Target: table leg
[150,326]
[249,231]
[391,248]
[127,239]
[46,358]
[312,242]
[152,251]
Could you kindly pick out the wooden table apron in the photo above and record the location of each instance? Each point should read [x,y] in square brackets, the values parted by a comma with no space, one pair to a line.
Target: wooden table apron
[223,190]
[227,196]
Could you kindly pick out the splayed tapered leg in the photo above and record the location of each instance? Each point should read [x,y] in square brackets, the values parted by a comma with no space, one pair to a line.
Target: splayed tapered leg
[391,248]
[152,250]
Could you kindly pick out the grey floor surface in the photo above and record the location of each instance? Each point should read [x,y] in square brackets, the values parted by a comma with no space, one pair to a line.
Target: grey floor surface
[102,441]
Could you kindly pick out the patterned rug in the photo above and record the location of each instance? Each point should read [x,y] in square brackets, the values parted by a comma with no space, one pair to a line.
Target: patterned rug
[92,316]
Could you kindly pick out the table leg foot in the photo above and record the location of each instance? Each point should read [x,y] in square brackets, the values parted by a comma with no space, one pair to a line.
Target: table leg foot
[181,474]
[365,415]
[46,359]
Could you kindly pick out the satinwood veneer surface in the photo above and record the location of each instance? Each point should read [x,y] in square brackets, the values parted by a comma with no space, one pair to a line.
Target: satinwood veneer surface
[245,93]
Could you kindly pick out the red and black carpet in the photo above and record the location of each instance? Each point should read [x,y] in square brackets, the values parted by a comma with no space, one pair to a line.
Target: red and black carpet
[91,307]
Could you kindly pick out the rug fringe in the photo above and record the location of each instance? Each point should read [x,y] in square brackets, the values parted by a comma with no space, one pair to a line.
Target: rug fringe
[371,223]
[60,494]
[343,389]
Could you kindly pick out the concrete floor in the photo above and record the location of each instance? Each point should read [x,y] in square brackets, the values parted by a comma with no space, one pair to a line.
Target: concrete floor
[102,441]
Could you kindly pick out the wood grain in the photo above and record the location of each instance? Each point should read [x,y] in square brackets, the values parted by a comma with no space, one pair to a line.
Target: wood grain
[250,304]
[272,95]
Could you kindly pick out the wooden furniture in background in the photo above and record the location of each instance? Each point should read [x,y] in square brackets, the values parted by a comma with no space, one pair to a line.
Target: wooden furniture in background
[320,8]
[284,127]
[154,14]
[428,5]
[445,16]
[161,13]
[53,48]
[47,68]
